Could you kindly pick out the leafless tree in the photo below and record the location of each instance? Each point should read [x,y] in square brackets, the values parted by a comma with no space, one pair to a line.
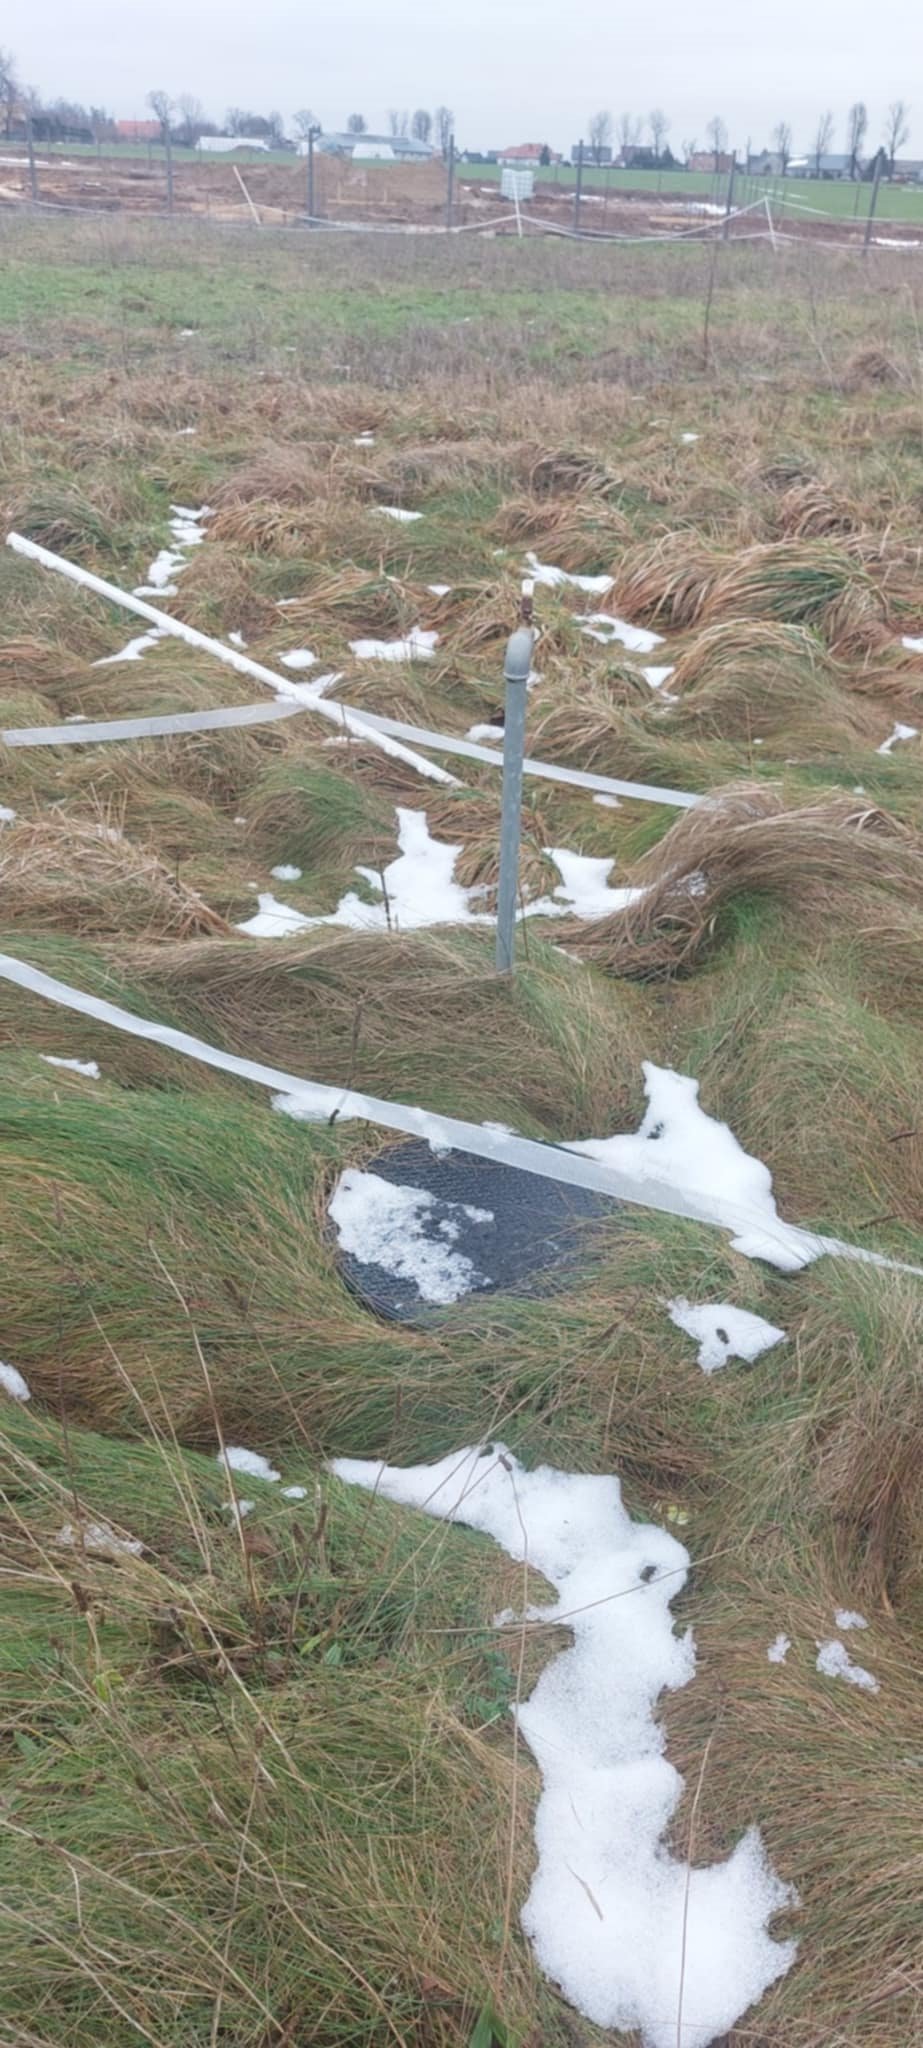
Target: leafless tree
[422,125]
[628,130]
[161,104]
[897,129]
[718,137]
[304,121]
[857,121]
[599,130]
[356,124]
[822,139]
[9,88]
[689,147]
[394,121]
[445,128]
[782,138]
[660,129]
[193,118]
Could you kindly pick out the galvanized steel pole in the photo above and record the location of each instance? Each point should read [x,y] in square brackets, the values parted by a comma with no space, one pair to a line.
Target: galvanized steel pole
[578,188]
[516,669]
[450,181]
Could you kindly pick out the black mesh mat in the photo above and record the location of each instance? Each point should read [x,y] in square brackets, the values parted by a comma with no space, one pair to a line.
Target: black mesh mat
[539,1233]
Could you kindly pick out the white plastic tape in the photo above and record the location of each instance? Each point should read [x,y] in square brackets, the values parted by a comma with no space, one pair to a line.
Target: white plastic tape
[231,656]
[325,1104]
[148,728]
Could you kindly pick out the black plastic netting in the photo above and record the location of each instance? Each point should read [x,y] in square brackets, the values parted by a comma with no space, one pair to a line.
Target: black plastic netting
[477,1228]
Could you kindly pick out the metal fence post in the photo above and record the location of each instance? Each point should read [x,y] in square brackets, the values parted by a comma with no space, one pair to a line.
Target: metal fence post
[30,143]
[516,669]
[310,194]
[578,188]
[873,202]
[450,181]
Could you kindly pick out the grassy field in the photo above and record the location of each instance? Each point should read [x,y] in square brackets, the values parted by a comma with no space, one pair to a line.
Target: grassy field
[258,1782]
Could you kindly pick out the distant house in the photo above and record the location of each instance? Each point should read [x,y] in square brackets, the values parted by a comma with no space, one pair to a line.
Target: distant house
[526,155]
[593,153]
[138,131]
[909,170]
[386,148]
[764,163]
[227,145]
[829,166]
[720,161]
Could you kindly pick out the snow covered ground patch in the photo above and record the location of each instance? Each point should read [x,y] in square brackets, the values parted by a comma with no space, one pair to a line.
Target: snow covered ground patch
[188,531]
[236,1458]
[901,732]
[723,1332]
[6,815]
[13,1384]
[584,886]
[692,1153]
[418,646]
[398,512]
[408,1232]
[134,649]
[846,1618]
[632,1936]
[778,1651]
[834,1661]
[299,657]
[98,1539]
[285,874]
[605,627]
[87,1067]
[545,572]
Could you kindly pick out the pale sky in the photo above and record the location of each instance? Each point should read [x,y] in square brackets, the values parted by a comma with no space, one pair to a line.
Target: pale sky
[512,70]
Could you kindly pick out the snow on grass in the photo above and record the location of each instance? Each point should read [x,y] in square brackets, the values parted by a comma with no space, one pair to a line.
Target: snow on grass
[689,437]
[299,657]
[584,885]
[656,677]
[607,803]
[778,1651]
[133,649]
[834,1661]
[87,1067]
[633,1937]
[604,626]
[915,646]
[98,1539]
[363,440]
[237,639]
[545,572]
[294,1493]
[404,1231]
[12,1383]
[236,1458]
[692,1153]
[846,1618]
[6,815]
[398,512]
[285,874]
[188,531]
[484,732]
[901,732]
[418,646]
[439,589]
[419,889]
[723,1332]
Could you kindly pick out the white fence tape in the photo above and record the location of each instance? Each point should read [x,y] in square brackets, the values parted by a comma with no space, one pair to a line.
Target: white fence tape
[88,730]
[231,656]
[366,725]
[551,1162]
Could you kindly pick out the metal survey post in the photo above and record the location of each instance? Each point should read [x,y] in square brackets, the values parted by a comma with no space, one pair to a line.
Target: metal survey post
[516,671]
[578,188]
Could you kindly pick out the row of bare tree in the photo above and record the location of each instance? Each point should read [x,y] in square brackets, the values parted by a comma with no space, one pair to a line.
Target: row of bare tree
[629,131]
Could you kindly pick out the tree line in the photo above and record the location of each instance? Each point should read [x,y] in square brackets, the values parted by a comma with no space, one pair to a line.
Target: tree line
[656,154]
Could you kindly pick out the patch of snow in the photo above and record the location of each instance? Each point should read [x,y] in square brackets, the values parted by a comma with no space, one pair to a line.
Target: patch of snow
[656,677]
[181,431]
[846,1618]
[274,920]
[605,627]
[87,1067]
[418,646]
[237,1509]
[439,589]
[894,242]
[134,649]
[236,638]
[398,512]
[723,1332]
[299,657]
[240,821]
[364,441]
[834,1661]
[6,815]
[694,1154]
[778,1651]
[99,1539]
[607,803]
[188,531]
[185,332]
[76,718]
[12,1383]
[167,564]
[545,572]
[915,646]
[901,732]
[584,885]
[689,437]
[381,1224]
[616,1921]
[294,1493]
[484,732]
[285,874]
[236,1458]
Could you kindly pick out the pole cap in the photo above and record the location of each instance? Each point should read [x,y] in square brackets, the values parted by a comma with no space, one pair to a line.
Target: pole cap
[518,664]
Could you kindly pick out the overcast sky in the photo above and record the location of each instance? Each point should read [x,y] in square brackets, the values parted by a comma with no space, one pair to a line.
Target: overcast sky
[512,70]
